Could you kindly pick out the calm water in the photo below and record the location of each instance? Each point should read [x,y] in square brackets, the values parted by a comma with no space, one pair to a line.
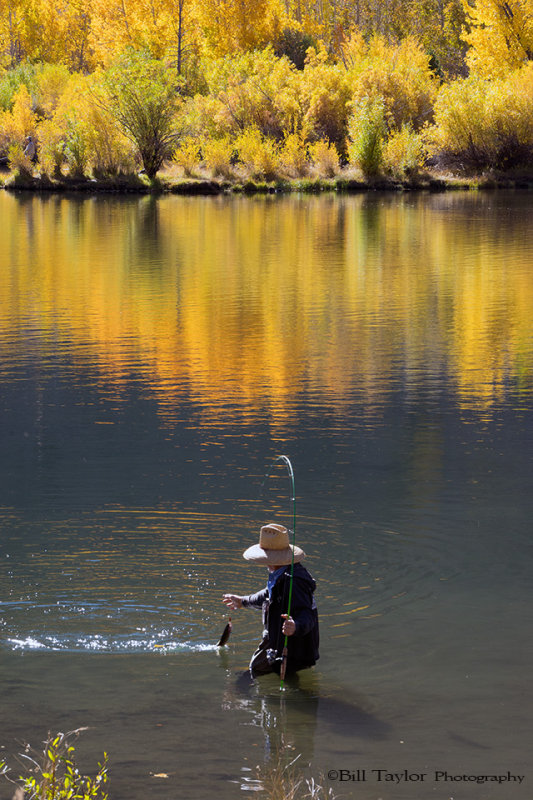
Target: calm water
[155,356]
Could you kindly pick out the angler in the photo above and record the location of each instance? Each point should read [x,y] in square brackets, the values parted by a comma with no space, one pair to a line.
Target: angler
[287,602]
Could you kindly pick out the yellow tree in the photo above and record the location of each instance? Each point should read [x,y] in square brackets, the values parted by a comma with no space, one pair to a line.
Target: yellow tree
[114,27]
[231,26]
[500,36]
[16,26]
[170,29]
[165,28]
[61,33]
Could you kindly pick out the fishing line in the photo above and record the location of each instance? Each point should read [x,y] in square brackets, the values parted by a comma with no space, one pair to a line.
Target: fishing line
[286,460]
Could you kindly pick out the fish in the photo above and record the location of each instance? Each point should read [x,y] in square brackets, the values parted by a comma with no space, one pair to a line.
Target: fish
[225,634]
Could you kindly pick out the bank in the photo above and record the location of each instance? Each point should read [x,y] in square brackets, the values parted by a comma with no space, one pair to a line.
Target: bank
[344,182]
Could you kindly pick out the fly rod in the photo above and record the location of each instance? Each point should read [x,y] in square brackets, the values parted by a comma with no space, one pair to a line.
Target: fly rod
[283,668]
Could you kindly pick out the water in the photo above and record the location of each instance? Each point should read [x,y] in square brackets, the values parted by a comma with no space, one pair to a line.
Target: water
[155,357]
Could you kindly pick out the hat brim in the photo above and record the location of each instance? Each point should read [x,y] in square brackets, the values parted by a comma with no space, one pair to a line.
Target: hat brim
[259,555]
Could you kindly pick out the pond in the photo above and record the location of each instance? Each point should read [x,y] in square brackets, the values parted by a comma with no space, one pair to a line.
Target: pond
[156,356]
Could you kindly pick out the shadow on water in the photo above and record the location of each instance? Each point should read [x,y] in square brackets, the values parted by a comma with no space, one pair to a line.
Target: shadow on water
[289,718]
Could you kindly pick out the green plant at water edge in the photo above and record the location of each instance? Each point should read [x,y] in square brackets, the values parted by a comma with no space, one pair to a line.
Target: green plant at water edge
[53,773]
[367,130]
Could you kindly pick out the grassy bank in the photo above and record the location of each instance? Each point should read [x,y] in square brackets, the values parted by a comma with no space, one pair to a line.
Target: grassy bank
[345,182]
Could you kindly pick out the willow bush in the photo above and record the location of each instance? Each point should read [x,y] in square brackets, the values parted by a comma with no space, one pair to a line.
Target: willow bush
[111,152]
[141,95]
[367,132]
[325,158]
[254,90]
[258,154]
[404,153]
[397,74]
[20,163]
[482,124]
[188,155]
[19,122]
[49,85]
[372,102]
[51,148]
[11,80]
[217,156]
[326,95]
[293,156]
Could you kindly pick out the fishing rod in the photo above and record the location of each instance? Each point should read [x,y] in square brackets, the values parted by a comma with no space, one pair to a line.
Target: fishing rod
[227,630]
[286,460]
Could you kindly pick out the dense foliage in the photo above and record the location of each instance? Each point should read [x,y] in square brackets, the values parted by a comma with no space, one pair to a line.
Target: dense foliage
[265,88]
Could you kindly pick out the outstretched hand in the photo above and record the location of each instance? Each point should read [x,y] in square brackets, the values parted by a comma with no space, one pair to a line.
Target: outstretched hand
[289,626]
[233,601]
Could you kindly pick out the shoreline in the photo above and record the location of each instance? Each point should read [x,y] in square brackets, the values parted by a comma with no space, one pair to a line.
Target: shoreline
[200,186]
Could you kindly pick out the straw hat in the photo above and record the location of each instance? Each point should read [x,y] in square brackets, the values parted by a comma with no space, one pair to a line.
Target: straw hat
[273,547]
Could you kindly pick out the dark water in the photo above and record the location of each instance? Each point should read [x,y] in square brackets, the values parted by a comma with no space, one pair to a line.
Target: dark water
[155,357]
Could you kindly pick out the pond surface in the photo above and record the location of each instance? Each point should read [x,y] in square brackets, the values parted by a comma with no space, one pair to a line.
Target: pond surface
[156,356]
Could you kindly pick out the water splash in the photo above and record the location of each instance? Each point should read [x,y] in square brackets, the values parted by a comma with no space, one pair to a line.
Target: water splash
[105,644]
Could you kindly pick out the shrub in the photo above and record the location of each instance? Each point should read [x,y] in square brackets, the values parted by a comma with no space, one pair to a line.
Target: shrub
[258,154]
[12,80]
[404,152]
[485,124]
[255,89]
[325,158]
[217,155]
[205,115]
[142,98]
[51,81]
[19,162]
[367,130]
[187,156]
[20,122]
[77,147]
[51,147]
[110,152]
[293,155]
[325,96]
[398,74]
[54,774]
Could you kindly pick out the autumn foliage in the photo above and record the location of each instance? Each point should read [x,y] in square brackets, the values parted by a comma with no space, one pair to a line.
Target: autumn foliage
[266,88]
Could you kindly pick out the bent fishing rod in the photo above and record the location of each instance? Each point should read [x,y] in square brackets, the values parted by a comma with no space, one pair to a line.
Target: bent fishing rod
[286,460]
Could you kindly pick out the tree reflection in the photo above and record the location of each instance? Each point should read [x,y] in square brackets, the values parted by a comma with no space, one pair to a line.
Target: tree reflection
[241,304]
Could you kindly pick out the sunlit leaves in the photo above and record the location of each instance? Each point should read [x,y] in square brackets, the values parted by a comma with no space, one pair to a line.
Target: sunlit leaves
[231,26]
[500,36]
[482,123]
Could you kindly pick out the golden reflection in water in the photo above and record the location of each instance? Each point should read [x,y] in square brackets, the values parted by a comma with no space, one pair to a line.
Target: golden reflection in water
[246,303]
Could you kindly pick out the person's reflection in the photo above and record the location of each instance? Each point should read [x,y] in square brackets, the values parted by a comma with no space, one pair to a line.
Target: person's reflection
[287,718]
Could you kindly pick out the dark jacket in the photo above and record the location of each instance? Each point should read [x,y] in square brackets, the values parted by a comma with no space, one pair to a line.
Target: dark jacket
[302,646]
